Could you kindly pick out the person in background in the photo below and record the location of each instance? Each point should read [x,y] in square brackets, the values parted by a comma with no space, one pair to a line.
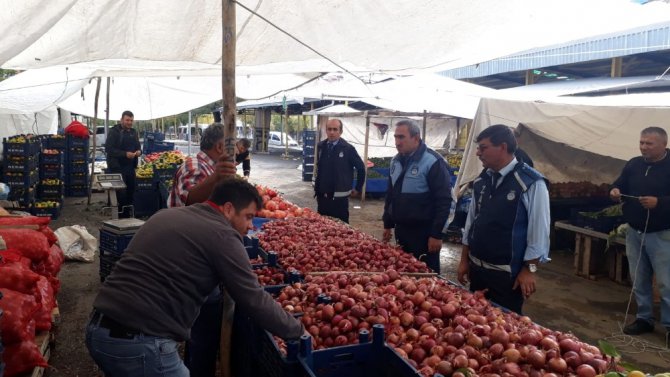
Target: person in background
[520,154]
[194,182]
[418,199]
[644,188]
[148,303]
[335,167]
[506,233]
[123,151]
[243,156]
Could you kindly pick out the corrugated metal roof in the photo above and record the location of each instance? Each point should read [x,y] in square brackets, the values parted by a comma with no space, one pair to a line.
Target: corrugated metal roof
[653,38]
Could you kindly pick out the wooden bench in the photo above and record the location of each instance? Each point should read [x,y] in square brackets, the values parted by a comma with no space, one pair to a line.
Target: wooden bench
[586,261]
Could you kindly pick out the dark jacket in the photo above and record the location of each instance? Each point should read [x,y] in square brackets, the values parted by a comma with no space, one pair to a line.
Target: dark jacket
[335,169]
[245,159]
[120,141]
[419,192]
[642,178]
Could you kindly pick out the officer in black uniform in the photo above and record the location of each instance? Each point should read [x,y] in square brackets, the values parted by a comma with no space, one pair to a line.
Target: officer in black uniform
[335,166]
[123,149]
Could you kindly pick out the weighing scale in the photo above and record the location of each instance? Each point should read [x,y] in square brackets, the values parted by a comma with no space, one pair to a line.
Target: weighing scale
[109,183]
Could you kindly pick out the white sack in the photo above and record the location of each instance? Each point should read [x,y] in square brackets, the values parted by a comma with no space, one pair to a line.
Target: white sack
[77,243]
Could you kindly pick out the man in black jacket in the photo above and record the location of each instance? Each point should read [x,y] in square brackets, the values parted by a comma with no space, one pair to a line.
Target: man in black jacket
[335,166]
[123,149]
[644,188]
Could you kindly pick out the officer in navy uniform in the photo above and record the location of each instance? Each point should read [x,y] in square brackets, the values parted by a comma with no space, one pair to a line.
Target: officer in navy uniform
[506,234]
[335,166]
[418,199]
[123,150]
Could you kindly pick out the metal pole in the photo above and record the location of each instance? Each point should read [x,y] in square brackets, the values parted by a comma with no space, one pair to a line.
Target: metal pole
[95,116]
[285,132]
[425,115]
[188,134]
[365,153]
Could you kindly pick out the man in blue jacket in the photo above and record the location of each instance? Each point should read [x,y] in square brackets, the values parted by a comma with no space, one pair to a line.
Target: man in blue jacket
[419,196]
[506,233]
[335,166]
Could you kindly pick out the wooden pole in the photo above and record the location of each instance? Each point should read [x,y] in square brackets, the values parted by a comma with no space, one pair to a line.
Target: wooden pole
[365,154]
[95,116]
[425,116]
[228,41]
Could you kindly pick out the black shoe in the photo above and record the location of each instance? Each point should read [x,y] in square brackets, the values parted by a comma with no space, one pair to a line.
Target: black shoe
[640,326]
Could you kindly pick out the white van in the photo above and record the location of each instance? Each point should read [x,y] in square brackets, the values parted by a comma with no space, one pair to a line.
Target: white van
[276,139]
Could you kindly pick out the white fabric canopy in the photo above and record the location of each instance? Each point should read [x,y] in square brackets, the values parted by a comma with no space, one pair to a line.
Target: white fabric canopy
[376,35]
[571,142]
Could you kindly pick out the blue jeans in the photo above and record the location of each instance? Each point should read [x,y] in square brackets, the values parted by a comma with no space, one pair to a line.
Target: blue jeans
[654,258]
[140,356]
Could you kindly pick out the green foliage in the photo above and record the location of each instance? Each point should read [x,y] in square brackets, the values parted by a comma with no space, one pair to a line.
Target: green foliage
[6,73]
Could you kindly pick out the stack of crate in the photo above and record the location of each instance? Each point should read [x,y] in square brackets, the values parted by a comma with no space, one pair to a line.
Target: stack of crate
[50,190]
[308,148]
[20,159]
[76,166]
[115,235]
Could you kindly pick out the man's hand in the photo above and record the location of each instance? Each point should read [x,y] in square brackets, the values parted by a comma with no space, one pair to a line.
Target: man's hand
[131,155]
[463,271]
[525,280]
[387,235]
[615,194]
[355,194]
[649,202]
[224,167]
[434,245]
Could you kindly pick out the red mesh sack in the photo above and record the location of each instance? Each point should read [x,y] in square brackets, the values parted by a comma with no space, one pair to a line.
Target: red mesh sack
[17,320]
[13,276]
[49,234]
[30,243]
[24,220]
[21,358]
[78,129]
[45,296]
[55,260]
[9,257]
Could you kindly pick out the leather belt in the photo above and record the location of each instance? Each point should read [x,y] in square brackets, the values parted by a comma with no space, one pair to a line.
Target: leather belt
[116,330]
[498,267]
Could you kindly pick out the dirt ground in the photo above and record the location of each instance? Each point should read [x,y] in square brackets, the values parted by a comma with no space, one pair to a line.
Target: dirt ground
[592,310]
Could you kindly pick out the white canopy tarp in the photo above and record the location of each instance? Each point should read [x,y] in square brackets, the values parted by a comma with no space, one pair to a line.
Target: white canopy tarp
[571,141]
[589,85]
[388,35]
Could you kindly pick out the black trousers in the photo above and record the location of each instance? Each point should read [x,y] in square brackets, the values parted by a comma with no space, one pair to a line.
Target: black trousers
[414,239]
[202,350]
[499,285]
[334,207]
[125,197]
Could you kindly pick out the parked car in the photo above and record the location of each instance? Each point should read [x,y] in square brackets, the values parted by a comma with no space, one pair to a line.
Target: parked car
[276,139]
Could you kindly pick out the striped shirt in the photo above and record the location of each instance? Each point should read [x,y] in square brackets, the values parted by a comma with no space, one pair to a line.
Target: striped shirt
[191,173]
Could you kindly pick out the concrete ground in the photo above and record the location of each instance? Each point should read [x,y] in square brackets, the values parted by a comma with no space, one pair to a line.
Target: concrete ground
[592,310]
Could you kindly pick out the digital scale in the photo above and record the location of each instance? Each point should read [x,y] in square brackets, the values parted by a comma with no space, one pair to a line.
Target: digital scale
[109,183]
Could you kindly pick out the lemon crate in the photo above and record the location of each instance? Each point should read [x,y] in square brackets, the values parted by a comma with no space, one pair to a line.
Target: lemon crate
[52,212]
[55,142]
[51,171]
[45,190]
[30,147]
[20,179]
[358,360]
[51,159]
[22,164]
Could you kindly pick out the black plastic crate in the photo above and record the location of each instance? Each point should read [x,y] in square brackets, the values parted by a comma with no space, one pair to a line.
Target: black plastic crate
[76,190]
[52,212]
[51,171]
[21,179]
[24,195]
[107,263]
[55,142]
[51,158]
[77,179]
[23,164]
[51,189]
[28,147]
[76,154]
[164,174]
[146,203]
[77,142]
[78,166]
[145,184]
[114,243]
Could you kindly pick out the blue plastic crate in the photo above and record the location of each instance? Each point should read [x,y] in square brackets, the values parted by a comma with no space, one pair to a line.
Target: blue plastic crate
[21,179]
[51,159]
[76,190]
[307,177]
[30,147]
[164,174]
[76,154]
[360,360]
[24,195]
[23,164]
[145,184]
[146,203]
[77,179]
[55,142]
[384,172]
[375,185]
[50,191]
[114,243]
[51,171]
[77,142]
[52,212]
[107,264]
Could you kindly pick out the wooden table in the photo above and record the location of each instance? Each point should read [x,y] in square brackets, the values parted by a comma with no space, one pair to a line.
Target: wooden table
[583,246]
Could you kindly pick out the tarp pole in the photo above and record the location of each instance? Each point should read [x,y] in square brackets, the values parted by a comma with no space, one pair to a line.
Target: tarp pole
[95,116]
[365,154]
[107,109]
[228,40]
[425,116]
[285,132]
[188,133]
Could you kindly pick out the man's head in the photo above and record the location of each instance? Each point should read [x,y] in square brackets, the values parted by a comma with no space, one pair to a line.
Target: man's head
[334,129]
[238,200]
[127,119]
[407,136]
[653,141]
[496,146]
[243,145]
[212,141]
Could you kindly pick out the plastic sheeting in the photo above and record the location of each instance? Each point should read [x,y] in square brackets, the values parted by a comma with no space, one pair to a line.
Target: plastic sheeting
[570,142]
[389,35]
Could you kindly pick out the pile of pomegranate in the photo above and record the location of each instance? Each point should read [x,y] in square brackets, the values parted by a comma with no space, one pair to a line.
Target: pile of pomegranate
[437,327]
